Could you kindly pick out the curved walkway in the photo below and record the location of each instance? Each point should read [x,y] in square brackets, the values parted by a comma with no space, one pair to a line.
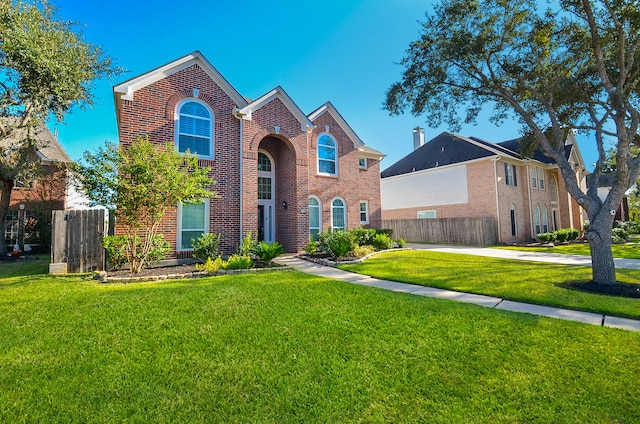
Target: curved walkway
[482,300]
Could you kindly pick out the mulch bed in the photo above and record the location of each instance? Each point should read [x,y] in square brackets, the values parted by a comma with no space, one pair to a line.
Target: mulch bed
[618,289]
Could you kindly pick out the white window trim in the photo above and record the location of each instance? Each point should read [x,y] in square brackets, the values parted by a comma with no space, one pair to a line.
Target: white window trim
[541,179]
[534,177]
[335,142]
[537,221]
[319,213]
[344,211]
[366,211]
[360,165]
[179,247]
[427,212]
[176,126]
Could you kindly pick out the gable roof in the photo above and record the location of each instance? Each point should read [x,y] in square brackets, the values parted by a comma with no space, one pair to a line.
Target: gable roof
[49,150]
[444,149]
[358,144]
[277,93]
[127,89]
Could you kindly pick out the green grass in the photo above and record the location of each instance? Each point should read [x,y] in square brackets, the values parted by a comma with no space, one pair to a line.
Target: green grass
[522,281]
[289,347]
[626,251]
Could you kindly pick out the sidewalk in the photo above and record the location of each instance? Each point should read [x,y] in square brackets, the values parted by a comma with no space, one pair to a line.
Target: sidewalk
[522,255]
[486,301]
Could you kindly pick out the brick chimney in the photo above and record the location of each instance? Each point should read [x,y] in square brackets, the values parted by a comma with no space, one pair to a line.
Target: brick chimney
[418,138]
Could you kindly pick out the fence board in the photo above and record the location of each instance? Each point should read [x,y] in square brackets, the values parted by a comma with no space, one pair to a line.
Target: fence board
[77,239]
[466,231]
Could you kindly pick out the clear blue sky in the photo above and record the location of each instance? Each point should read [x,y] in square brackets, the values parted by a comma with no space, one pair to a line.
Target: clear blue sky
[343,51]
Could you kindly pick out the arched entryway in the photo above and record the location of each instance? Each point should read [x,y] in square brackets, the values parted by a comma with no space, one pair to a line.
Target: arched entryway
[278,200]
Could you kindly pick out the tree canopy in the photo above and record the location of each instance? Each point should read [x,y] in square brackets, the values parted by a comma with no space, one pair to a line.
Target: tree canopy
[46,68]
[575,67]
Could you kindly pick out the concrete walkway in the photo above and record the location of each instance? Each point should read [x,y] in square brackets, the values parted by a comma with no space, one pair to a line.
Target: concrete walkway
[522,255]
[486,301]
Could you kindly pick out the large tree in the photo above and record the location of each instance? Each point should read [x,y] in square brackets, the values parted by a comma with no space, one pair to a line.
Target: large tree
[46,68]
[576,67]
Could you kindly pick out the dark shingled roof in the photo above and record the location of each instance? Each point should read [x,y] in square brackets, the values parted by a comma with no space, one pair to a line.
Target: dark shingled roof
[445,149]
[448,149]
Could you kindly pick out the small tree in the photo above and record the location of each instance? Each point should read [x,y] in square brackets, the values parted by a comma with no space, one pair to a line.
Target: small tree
[142,181]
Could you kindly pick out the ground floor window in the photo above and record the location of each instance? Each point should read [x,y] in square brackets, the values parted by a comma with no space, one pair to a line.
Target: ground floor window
[545,219]
[537,220]
[314,217]
[364,212]
[338,214]
[11,223]
[512,215]
[192,223]
[427,214]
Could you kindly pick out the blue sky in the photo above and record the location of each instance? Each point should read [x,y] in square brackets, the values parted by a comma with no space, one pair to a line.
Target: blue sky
[343,51]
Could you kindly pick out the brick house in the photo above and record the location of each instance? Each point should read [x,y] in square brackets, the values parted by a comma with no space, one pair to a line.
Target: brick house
[282,174]
[453,176]
[28,220]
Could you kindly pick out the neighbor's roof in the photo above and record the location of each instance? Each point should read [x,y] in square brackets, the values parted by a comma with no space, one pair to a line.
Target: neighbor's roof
[50,149]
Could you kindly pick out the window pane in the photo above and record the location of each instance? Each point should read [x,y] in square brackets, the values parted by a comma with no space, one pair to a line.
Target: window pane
[187,236]
[264,188]
[194,144]
[328,153]
[193,216]
[264,164]
[327,167]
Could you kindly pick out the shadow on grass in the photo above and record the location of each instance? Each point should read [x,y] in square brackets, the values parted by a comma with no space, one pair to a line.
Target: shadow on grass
[627,290]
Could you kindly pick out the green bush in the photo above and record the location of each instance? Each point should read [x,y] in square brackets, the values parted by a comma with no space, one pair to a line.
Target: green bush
[546,237]
[363,236]
[267,251]
[561,235]
[362,251]
[401,242]
[247,244]
[619,235]
[158,251]
[115,247]
[338,243]
[572,234]
[382,241]
[386,231]
[311,248]
[238,262]
[206,246]
[585,226]
[210,266]
[634,228]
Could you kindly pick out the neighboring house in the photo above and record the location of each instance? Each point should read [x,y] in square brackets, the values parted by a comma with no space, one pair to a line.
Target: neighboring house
[29,217]
[605,182]
[281,174]
[453,176]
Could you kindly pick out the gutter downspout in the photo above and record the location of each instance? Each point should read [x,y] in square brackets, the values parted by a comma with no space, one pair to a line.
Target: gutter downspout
[495,180]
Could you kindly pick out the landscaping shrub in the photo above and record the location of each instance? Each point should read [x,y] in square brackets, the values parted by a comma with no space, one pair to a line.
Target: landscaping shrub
[247,244]
[206,246]
[338,243]
[619,235]
[115,247]
[210,266]
[119,250]
[561,235]
[311,248]
[382,241]
[546,237]
[634,228]
[362,251]
[572,234]
[237,262]
[267,251]
[401,242]
[386,231]
[363,236]
[585,226]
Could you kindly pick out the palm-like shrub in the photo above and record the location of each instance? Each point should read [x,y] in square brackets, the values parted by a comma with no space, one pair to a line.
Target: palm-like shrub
[267,251]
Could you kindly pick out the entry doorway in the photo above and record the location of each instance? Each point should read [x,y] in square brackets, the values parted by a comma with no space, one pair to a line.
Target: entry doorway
[266,197]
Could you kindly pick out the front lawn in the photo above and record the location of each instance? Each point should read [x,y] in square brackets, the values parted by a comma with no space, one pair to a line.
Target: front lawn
[529,282]
[290,348]
[626,250]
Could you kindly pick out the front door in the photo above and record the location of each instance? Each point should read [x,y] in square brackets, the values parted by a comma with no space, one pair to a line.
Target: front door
[265,223]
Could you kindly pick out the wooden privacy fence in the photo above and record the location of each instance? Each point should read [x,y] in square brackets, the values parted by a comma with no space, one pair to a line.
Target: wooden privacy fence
[76,240]
[467,231]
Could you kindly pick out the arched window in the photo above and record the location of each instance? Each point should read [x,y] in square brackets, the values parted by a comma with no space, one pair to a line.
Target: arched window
[327,155]
[194,129]
[338,214]
[315,217]
[512,217]
[537,219]
[545,219]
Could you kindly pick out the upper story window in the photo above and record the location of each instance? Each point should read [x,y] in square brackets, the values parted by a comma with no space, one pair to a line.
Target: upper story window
[362,163]
[541,179]
[194,129]
[511,177]
[554,189]
[534,177]
[327,155]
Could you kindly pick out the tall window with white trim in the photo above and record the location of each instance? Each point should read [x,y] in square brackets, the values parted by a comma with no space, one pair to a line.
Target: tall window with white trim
[537,219]
[192,223]
[315,217]
[364,212]
[327,155]
[545,219]
[194,129]
[338,214]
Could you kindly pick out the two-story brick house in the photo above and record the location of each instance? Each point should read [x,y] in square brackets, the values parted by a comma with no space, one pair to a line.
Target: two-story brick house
[282,174]
[452,176]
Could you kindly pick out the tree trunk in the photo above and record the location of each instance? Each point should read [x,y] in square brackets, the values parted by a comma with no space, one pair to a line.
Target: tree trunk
[603,269]
[5,197]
